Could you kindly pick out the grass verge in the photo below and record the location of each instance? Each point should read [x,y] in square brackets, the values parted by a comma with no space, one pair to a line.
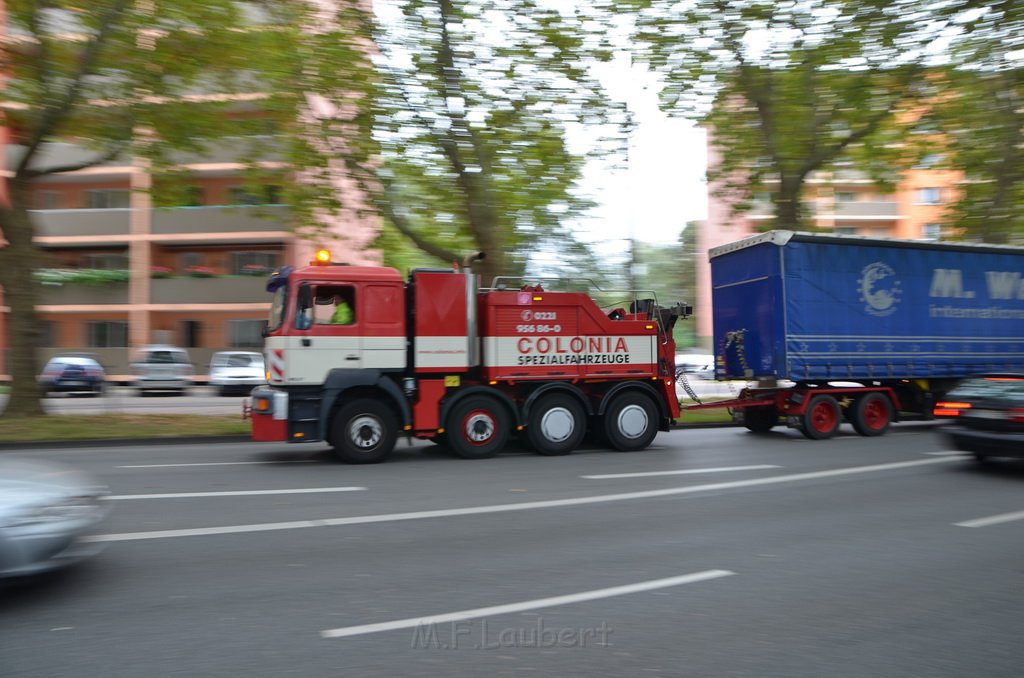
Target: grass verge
[109,426]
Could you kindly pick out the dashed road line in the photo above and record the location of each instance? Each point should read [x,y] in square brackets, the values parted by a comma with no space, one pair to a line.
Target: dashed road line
[583,596]
[681,472]
[234,493]
[992,520]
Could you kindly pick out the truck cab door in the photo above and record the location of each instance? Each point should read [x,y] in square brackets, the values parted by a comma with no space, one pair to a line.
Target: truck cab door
[325,337]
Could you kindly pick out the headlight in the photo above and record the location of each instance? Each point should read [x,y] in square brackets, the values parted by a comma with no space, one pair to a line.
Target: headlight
[70,509]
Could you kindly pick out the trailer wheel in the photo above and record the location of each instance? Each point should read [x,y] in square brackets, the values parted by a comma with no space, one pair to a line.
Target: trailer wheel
[631,422]
[478,427]
[872,414]
[556,425]
[364,431]
[760,419]
[821,420]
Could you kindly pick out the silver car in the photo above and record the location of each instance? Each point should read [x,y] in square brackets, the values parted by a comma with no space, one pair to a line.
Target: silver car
[161,368]
[45,509]
[236,372]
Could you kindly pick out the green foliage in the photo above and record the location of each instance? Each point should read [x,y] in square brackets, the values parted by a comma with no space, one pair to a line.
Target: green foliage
[470,111]
[81,276]
[787,89]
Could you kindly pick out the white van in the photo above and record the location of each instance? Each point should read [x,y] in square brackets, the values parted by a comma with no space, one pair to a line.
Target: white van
[161,368]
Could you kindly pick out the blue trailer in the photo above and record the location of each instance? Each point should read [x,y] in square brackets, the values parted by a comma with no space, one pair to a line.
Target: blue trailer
[844,327]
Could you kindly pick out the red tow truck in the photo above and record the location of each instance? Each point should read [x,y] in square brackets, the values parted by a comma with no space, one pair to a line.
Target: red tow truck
[434,356]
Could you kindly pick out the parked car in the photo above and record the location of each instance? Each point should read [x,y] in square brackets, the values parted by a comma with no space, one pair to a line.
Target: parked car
[73,373]
[699,365]
[236,372]
[986,416]
[161,368]
[45,509]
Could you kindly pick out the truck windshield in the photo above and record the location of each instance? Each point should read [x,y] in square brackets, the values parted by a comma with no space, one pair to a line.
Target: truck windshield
[277,307]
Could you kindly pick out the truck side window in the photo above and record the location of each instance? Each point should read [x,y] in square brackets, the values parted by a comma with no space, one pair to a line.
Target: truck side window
[304,309]
[335,305]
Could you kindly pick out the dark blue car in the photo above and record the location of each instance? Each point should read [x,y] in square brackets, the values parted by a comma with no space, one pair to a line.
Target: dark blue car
[73,374]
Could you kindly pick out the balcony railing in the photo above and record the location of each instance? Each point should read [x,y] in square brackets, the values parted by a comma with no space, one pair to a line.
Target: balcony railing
[71,223]
[228,290]
[83,294]
[220,219]
[864,209]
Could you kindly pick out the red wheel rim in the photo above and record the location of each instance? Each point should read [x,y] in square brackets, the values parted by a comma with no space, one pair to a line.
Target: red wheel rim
[823,417]
[876,414]
[479,427]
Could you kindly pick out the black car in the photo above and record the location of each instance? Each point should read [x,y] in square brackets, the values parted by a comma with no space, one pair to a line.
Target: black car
[986,416]
[70,373]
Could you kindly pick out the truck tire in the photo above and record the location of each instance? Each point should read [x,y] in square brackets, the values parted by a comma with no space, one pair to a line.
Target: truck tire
[364,431]
[631,422]
[821,419]
[760,419]
[872,414]
[478,427]
[556,425]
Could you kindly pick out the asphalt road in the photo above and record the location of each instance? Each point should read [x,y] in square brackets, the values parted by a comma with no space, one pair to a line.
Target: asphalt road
[716,553]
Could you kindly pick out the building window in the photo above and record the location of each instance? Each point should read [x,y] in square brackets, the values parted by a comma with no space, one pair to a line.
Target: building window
[845,230]
[927,196]
[106,261]
[48,200]
[846,196]
[253,263]
[931,231]
[108,198]
[108,334]
[246,333]
[264,195]
[187,260]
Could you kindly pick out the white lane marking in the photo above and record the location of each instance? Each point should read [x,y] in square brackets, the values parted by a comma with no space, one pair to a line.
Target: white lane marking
[992,520]
[568,599]
[501,508]
[947,453]
[234,493]
[220,463]
[684,472]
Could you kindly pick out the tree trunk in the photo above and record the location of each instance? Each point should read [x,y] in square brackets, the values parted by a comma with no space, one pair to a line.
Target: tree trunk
[787,206]
[18,261]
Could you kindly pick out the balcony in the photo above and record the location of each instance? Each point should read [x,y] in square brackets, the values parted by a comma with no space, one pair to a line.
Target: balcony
[83,294]
[221,219]
[228,290]
[863,209]
[78,223]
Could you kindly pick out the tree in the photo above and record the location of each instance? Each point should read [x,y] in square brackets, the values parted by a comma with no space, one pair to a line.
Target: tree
[980,117]
[786,89]
[143,79]
[469,110]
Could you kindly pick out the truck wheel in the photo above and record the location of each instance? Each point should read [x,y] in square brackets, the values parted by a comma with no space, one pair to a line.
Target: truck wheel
[760,419]
[478,427]
[631,422]
[821,420]
[556,425]
[872,414]
[364,432]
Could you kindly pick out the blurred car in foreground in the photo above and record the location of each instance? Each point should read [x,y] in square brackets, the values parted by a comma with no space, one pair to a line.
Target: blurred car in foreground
[236,372]
[699,365]
[986,416]
[45,509]
[161,368]
[72,374]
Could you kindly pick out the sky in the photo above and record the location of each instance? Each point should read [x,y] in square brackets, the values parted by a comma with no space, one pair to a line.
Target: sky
[663,186]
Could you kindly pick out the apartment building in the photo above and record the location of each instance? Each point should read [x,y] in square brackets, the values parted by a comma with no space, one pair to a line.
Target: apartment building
[845,202]
[120,272]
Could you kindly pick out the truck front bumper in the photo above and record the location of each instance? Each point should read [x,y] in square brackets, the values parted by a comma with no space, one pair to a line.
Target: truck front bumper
[268,408]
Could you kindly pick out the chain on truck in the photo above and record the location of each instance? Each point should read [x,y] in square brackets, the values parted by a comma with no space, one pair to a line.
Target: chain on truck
[436,357]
